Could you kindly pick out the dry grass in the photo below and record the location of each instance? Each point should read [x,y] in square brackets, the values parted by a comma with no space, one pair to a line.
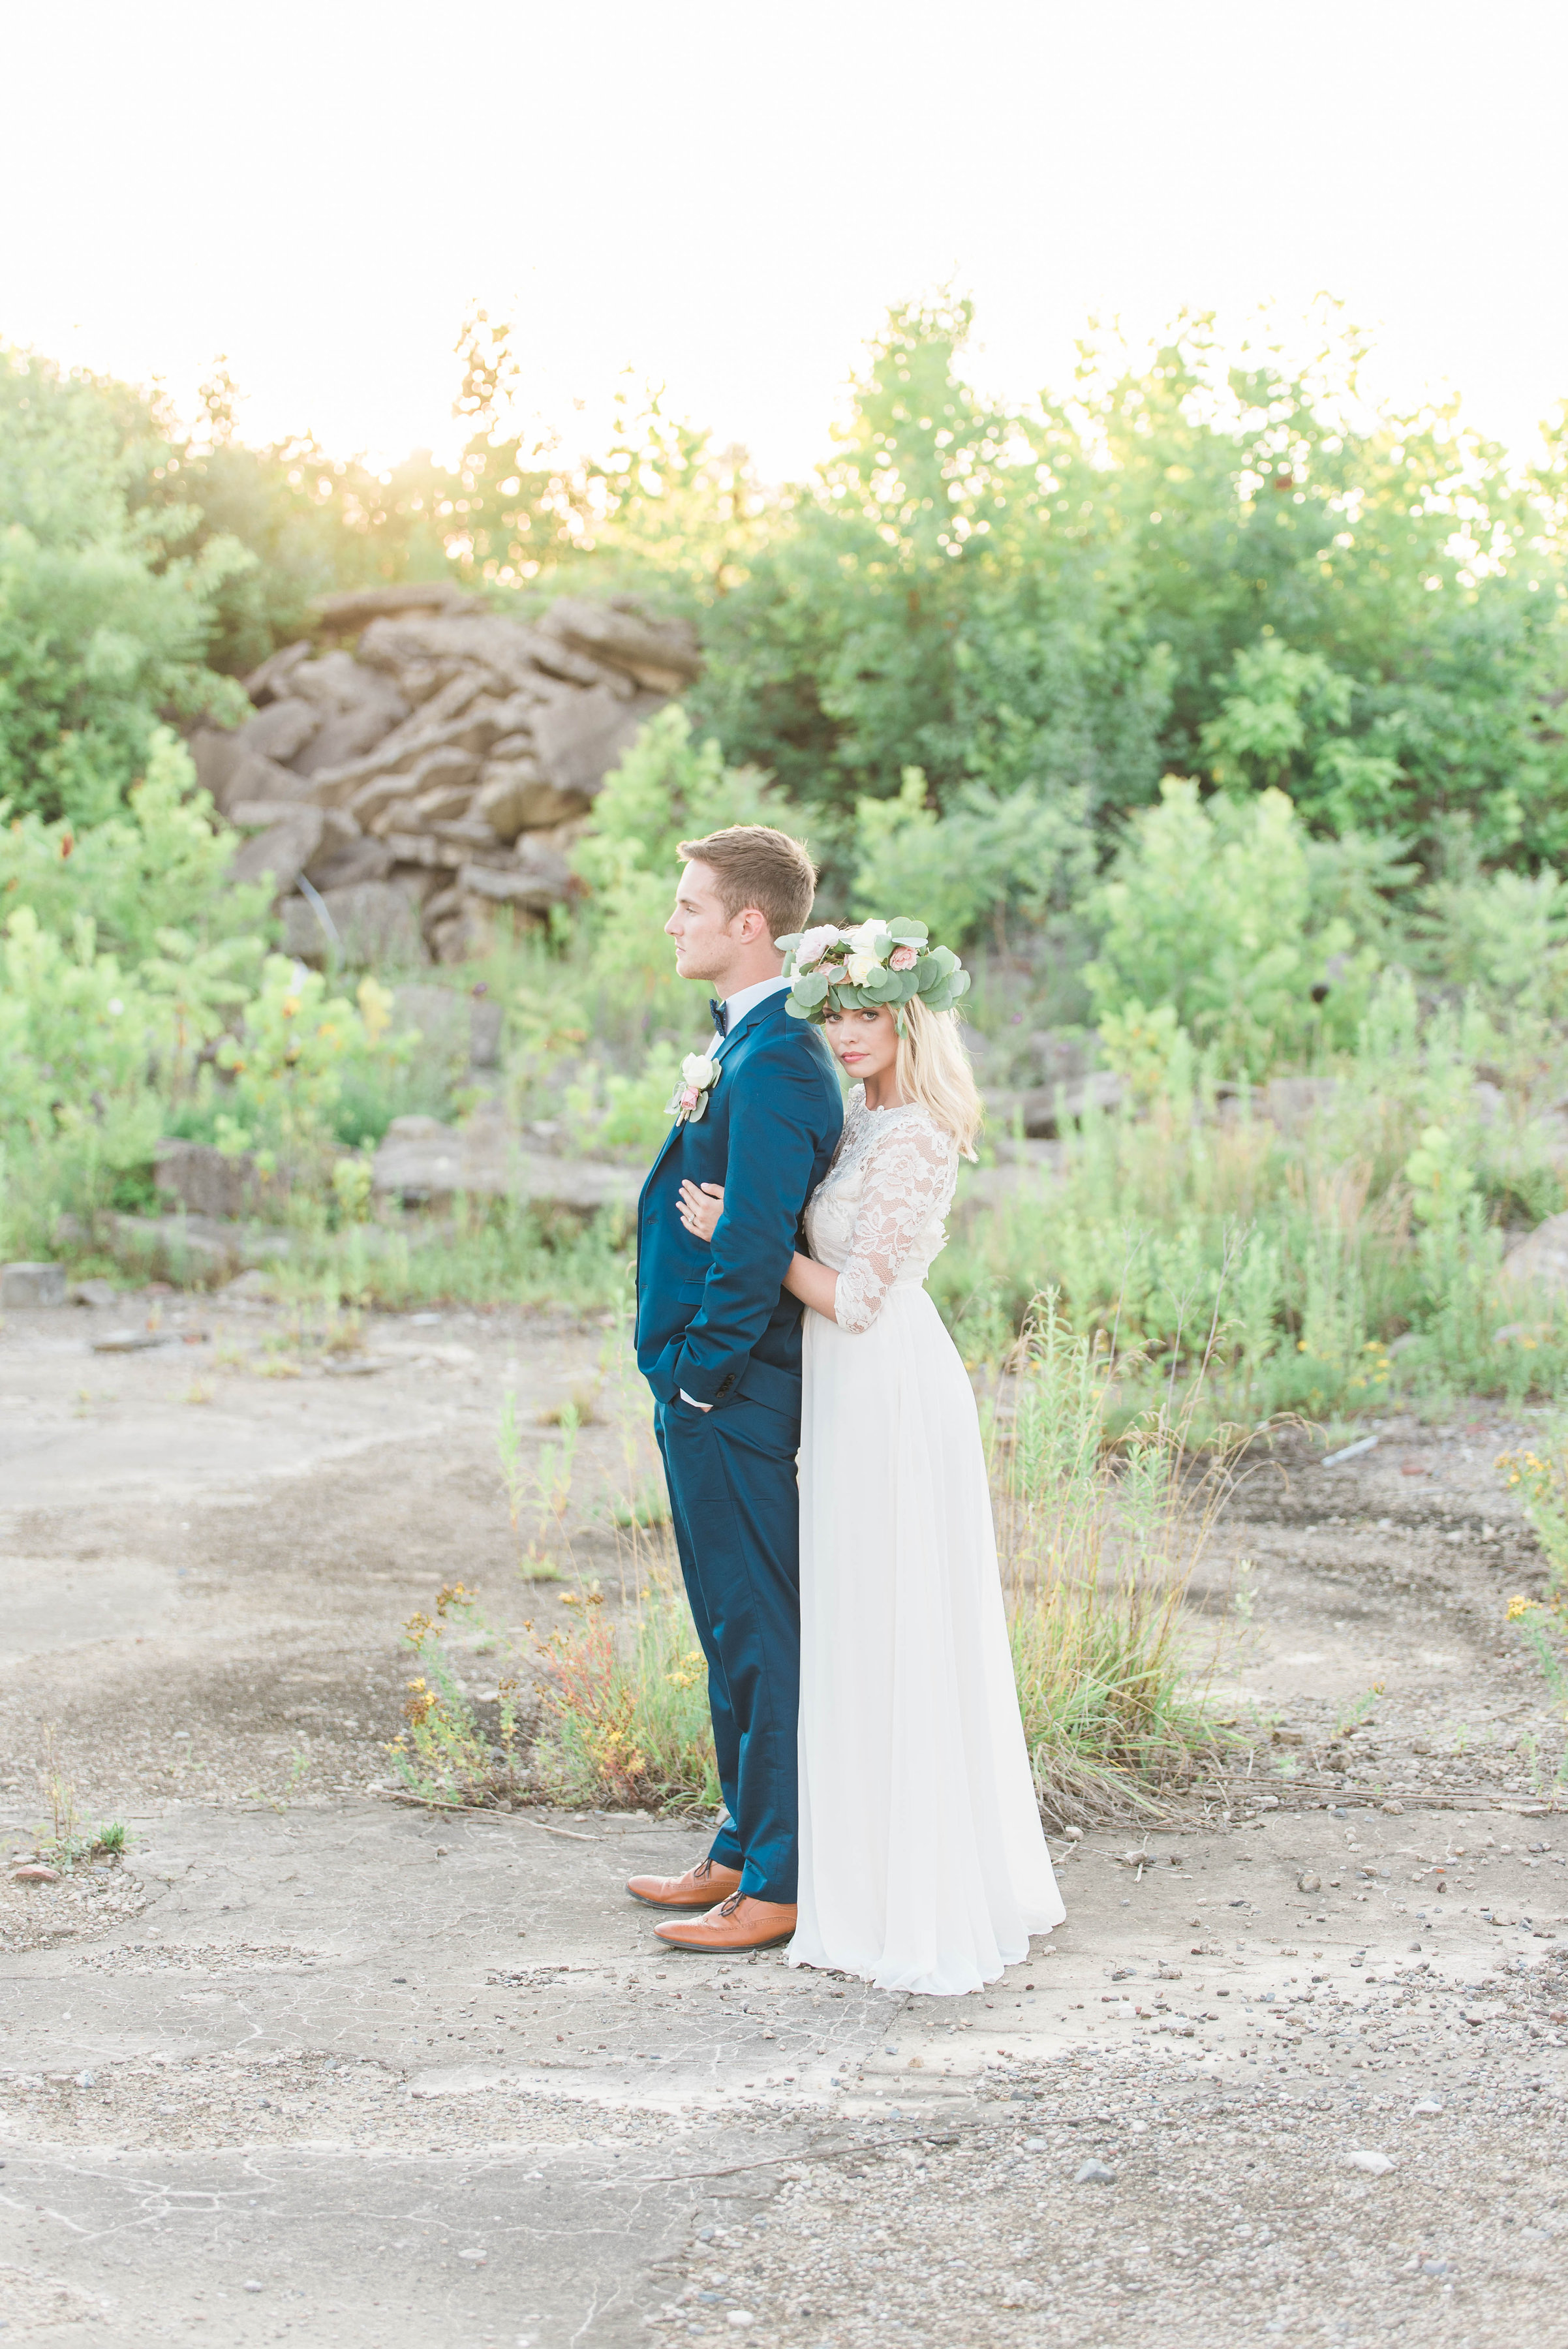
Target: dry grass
[1098,1543]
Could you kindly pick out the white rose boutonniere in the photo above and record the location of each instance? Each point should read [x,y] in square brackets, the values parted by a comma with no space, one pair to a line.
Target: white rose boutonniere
[689,1101]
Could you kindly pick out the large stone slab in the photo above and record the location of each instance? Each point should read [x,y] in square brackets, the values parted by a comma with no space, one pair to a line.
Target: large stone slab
[423,1159]
[1536,1271]
[209,1182]
[192,1251]
[23,1285]
[484,723]
[356,608]
[284,849]
[539,878]
[662,655]
[282,729]
[521,655]
[375,922]
[514,797]
[1043,1110]
[247,776]
[356,859]
[580,738]
[270,681]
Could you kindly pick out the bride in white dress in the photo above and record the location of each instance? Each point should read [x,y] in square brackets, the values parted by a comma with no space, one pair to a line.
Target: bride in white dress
[923,1865]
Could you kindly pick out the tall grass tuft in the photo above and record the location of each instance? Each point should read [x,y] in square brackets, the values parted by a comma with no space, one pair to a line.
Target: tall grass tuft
[1098,1543]
[623,1723]
[442,1753]
[1541,1480]
[623,1709]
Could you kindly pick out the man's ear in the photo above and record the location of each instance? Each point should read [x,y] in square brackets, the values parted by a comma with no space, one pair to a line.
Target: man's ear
[752,922]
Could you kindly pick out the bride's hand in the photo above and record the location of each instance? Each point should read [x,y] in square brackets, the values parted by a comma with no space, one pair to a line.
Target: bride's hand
[700,1208]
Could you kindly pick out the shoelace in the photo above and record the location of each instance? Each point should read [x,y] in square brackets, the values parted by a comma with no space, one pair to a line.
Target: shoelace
[732,1904]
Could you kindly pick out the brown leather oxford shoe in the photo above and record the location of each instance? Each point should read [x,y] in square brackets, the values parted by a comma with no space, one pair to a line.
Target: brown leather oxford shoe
[738,1923]
[701,1886]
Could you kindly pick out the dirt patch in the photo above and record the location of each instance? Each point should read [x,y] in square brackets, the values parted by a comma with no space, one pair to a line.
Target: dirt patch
[305,2055]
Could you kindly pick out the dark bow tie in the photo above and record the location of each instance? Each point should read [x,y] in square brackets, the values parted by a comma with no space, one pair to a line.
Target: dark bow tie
[720,1018]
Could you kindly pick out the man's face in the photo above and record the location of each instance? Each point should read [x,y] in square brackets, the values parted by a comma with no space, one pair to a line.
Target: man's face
[706,939]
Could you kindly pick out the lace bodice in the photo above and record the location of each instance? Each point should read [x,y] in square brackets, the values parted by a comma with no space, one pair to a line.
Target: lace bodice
[877,1218]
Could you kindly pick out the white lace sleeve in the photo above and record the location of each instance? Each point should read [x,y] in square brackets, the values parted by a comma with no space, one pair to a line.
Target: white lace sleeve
[908,1179]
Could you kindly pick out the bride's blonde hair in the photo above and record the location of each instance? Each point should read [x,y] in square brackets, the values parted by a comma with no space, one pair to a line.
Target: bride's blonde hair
[933,1071]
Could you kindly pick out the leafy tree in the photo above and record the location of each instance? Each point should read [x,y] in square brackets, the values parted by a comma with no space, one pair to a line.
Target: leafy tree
[104,613]
[905,614]
[1197,562]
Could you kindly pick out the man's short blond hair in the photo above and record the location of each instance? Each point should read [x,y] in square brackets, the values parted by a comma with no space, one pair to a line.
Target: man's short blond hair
[752,864]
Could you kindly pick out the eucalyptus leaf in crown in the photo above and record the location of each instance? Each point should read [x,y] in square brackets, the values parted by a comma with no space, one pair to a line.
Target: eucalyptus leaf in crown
[875,962]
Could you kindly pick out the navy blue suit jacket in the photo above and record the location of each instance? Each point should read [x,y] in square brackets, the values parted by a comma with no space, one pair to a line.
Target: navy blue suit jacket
[711,1317]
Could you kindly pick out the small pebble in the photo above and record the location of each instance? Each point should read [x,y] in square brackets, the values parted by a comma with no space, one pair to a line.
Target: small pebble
[1373,2165]
[1094,2173]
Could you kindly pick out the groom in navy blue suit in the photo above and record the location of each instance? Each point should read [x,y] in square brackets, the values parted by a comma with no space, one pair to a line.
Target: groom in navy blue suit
[719,1344]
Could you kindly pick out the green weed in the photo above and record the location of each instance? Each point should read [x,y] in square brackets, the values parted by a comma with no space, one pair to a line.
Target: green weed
[441,1753]
[625,1723]
[1360,1709]
[1099,1542]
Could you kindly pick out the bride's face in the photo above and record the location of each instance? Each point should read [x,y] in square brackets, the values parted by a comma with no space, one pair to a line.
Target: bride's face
[866,1042]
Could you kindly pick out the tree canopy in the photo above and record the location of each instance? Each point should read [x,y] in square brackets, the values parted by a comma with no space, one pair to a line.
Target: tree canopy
[1223,563]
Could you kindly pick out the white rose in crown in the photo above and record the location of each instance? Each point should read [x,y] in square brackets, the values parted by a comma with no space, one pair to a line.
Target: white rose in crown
[859,968]
[813,944]
[689,1101]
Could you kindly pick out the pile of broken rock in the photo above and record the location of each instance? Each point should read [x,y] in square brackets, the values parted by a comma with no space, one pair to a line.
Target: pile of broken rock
[439,769]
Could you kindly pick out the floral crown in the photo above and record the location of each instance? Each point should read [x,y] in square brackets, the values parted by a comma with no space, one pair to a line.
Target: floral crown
[876,962]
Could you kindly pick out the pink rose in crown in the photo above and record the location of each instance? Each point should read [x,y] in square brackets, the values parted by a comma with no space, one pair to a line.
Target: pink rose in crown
[902,959]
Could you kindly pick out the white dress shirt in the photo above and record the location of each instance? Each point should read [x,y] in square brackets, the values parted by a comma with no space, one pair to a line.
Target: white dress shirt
[737,1006]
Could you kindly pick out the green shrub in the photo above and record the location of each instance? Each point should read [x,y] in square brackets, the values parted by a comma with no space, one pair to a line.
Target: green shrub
[965,870]
[157,865]
[78,1036]
[1208,910]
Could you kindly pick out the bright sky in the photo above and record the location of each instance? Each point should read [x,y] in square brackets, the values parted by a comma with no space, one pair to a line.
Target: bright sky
[726,198]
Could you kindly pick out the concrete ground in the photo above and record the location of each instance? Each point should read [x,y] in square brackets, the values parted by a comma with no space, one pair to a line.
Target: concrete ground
[311,2066]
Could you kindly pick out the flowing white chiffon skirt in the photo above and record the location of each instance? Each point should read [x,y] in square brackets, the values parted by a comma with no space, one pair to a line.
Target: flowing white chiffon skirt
[923,1865]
